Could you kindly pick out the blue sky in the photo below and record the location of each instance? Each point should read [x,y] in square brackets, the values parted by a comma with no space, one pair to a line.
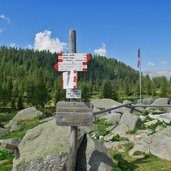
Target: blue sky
[115,28]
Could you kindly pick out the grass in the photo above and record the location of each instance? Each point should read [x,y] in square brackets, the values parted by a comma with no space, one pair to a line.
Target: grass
[131,98]
[6,157]
[96,95]
[48,111]
[102,125]
[6,114]
[147,163]
[25,127]
[119,138]
[6,160]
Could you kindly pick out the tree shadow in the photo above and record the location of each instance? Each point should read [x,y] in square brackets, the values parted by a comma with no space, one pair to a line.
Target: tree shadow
[125,165]
[81,156]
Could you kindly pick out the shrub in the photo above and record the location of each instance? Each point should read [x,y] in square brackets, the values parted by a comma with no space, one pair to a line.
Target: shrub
[5,155]
[119,138]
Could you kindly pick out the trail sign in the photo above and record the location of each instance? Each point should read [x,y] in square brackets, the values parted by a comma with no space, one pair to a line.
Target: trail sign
[73,94]
[74,114]
[76,57]
[72,61]
[69,80]
[70,66]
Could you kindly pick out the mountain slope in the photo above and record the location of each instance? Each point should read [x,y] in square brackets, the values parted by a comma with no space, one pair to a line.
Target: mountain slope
[29,76]
[158,73]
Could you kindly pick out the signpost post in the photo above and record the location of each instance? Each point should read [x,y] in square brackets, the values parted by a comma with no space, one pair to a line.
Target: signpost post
[74,129]
[73,113]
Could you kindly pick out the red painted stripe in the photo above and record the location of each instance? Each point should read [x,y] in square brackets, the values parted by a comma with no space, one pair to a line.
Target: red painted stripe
[59,54]
[75,79]
[75,87]
[62,77]
[84,69]
[75,71]
[56,66]
[88,57]
[84,63]
[60,60]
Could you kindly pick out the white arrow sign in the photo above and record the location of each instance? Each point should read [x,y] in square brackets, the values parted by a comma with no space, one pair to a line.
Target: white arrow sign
[69,66]
[80,57]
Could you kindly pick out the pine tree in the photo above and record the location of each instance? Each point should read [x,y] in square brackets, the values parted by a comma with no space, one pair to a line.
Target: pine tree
[20,103]
[107,90]
[85,94]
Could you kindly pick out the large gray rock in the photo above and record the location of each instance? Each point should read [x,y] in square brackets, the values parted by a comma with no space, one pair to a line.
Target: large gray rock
[10,144]
[157,144]
[146,101]
[2,131]
[161,146]
[112,118]
[39,147]
[27,114]
[50,162]
[128,122]
[47,119]
[142,145]
[120,110]
[92,156]
[104,103]
[13,125]
[158,102]
[161,101]
[117,145]
[166,117]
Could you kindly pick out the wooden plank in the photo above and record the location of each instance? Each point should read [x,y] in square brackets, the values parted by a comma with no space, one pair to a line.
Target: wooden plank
[74,119]
[76,109]
[62,104]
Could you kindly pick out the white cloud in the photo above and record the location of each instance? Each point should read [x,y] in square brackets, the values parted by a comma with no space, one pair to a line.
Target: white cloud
[163,62]
[29,46]
[151,64]
[12,45]
[101,51]
[2,16]
[43,41]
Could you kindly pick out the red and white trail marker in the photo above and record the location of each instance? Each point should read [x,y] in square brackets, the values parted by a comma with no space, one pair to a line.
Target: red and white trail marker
[74,57]
[72,61]
[70,66]
[69,80]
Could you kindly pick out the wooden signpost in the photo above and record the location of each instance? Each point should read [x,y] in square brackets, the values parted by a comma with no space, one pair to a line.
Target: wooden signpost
[73,113]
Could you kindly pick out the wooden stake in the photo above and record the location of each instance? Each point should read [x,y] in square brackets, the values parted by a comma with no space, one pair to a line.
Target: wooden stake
[74,129]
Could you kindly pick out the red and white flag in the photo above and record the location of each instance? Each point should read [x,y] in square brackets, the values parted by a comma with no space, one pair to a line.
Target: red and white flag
[139,59]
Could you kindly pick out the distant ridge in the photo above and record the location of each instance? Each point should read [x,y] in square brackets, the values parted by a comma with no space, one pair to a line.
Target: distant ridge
[158,73]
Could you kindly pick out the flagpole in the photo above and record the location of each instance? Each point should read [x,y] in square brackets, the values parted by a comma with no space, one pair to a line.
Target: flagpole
[140,85]
[139,65]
